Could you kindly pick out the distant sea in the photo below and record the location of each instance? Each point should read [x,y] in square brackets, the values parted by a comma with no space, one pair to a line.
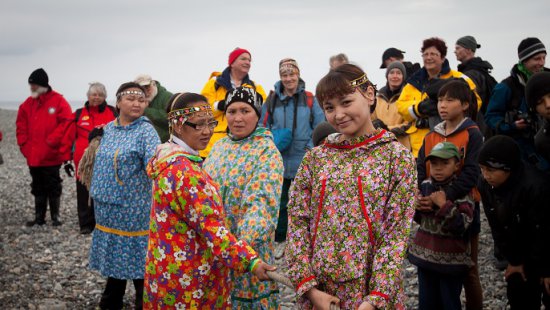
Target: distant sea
[14,105]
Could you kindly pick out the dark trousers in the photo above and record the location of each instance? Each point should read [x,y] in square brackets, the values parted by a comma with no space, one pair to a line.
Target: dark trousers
[85,207]
[526,294]
[472,285]
[46,181]
[282,223]
[113,296]
[438,291]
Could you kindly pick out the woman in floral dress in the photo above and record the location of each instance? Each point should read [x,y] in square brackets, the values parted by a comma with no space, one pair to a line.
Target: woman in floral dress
[122,196]
[249,169]
[191,251]
[351,205]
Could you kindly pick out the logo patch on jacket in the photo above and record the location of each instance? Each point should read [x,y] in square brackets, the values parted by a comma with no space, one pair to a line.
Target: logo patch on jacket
[51,110]
[85,117]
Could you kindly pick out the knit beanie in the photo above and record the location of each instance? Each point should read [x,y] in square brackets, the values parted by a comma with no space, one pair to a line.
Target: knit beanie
[500,152]
[236,53]
[398,65]
[529,47]
[468,42]
[537,86]
[288,65]
[39,77]
[247,95]
[323,130]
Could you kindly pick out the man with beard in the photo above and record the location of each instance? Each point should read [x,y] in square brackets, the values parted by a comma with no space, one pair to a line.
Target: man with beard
[40,125]
[157,96]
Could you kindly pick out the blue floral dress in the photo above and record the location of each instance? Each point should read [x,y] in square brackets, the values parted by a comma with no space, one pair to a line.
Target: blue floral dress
[122,194]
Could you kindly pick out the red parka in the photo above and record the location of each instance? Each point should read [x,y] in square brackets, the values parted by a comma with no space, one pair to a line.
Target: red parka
[83,121]
[40,127]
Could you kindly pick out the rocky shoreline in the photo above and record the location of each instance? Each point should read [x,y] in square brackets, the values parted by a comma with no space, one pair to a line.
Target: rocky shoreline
[46,267]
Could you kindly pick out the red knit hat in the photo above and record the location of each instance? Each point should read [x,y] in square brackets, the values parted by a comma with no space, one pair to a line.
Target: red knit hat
[236,53]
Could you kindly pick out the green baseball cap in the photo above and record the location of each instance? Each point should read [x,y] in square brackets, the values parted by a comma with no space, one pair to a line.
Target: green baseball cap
[444,150]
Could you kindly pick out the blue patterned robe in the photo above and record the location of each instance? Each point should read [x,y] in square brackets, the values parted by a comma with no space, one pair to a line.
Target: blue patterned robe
[122,194]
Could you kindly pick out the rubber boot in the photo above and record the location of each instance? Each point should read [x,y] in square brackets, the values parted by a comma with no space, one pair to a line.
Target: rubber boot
[54,210]
[40,206]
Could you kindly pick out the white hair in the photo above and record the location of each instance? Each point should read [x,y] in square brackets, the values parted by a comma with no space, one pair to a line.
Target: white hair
[97,88]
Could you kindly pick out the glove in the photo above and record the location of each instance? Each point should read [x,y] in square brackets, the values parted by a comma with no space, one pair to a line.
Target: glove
[428,107]
[69,169]
[377,123]
[434,85]
[220,105]
[399,131]
[96,132]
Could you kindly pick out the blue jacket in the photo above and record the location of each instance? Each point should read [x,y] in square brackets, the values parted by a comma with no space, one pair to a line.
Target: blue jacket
[283,117]
[506,104]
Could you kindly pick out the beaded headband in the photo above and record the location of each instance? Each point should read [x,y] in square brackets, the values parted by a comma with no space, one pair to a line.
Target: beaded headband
[130,92]
[181,115]
[359,81]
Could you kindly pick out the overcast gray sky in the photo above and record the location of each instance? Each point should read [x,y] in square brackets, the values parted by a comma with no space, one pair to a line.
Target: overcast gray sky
[181,43]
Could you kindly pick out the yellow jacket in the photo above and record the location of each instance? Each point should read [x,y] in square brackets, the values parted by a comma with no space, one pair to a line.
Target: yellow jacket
[386,111]
[411,96]
[214,92]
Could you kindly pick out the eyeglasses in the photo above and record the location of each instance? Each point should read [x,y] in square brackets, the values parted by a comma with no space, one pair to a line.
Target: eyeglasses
[430,54]
[210,125]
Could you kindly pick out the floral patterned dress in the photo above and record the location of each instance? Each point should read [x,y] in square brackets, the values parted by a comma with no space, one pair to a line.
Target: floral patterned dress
[122,195]
[350,212]
[190,251]
[250,174]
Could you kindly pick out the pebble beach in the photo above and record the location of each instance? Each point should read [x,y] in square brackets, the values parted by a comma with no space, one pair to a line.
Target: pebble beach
[45,267]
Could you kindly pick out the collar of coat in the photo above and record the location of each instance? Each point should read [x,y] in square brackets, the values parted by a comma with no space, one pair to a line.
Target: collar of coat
[420,77]
[224,80]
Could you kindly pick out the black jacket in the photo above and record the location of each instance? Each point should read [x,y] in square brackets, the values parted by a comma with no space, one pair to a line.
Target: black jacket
[542,140]
[518,214]
[479,71]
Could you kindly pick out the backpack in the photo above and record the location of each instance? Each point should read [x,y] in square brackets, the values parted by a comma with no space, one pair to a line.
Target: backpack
[460,140]
[271,107]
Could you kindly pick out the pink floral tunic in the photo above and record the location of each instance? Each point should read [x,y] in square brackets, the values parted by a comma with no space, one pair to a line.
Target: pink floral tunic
[191,250]
[350,212]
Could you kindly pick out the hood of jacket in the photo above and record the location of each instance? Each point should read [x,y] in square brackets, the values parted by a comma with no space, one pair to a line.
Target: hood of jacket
[466,122]
[420,77]
[165,155]
[378,138]
[280,89]
[475,63]
[224,79]
[137,122]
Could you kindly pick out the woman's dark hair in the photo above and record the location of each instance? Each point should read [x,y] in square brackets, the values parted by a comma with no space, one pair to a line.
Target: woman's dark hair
[438,43]
[336,84]
[127,85]
[183,100]
[460,90]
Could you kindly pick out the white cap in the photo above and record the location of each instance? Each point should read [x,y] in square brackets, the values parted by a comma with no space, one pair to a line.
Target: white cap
[143,79]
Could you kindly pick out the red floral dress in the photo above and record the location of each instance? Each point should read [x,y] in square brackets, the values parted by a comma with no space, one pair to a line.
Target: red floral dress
[190,251]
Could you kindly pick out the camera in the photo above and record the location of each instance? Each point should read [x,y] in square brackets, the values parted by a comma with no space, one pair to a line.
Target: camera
[526,117]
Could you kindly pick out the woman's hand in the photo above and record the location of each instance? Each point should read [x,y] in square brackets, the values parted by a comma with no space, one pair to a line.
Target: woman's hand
[260,270]
[321,300]
[514,269]
[366,306]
